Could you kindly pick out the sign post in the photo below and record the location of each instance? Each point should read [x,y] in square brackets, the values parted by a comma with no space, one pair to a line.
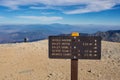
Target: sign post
[74,62]
[74,69]
[75,47]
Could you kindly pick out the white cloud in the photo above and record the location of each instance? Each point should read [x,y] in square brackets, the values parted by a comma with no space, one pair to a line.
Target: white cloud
[91,5]
[34,7]
[45,7]
[94,7]
[46,13]
[41,18]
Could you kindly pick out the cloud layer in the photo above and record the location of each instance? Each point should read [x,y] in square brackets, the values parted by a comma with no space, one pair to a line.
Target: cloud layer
[41,18]
[90,6]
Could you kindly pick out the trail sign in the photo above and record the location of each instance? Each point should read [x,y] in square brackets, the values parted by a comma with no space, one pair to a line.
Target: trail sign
[75,47]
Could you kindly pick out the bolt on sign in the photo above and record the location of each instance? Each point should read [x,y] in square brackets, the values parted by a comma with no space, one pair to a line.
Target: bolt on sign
[75,47]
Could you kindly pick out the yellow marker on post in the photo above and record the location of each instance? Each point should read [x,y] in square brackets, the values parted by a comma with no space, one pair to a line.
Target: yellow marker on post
[75,34]
[74,63]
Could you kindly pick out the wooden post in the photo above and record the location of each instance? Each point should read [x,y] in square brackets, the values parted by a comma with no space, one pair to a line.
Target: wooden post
[74,69]
[74,63]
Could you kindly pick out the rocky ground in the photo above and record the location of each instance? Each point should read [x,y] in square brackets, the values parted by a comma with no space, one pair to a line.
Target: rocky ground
[29,61]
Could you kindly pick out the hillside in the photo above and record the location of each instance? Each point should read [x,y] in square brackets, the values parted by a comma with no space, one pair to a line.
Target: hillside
[29,61]
[112,35]
[17,33]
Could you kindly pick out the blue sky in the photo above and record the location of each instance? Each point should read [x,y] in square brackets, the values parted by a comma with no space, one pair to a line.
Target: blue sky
[105,12]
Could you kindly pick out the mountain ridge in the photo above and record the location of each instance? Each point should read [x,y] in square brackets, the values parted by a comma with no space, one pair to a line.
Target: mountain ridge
[17,33]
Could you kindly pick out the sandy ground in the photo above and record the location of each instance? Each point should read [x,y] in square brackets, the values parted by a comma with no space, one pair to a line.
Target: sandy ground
[29,61]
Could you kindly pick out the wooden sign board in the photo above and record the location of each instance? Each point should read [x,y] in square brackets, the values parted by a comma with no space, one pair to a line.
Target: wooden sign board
[79,47]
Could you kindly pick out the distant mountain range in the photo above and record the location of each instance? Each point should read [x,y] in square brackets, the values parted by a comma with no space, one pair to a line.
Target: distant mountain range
[112,35]
[17,33]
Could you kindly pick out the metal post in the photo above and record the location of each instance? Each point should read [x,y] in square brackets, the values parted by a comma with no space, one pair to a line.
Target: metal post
[74,63]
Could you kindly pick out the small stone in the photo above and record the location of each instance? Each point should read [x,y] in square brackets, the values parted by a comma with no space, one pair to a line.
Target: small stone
[50,74]
[89,71]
